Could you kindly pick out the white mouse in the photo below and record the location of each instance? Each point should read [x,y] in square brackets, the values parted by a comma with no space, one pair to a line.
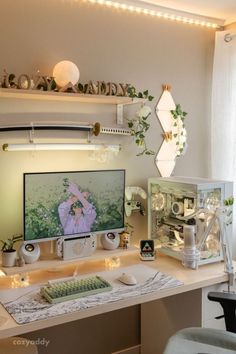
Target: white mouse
[128,279]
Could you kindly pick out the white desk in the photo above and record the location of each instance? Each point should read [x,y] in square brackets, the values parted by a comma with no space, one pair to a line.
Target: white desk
[194,281]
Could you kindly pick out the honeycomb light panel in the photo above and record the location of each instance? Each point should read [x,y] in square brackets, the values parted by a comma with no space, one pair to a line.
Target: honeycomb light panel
[165,167]
[166,157]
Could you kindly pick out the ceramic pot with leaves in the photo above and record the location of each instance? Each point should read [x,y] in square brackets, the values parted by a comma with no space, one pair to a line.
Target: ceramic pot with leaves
[8,251]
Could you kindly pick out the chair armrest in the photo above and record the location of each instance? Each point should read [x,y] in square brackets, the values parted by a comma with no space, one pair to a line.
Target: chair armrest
[228,303]
[222,296]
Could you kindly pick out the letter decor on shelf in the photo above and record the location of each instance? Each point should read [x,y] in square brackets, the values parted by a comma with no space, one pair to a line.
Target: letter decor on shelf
[48,83]
[171,118]
[103,88]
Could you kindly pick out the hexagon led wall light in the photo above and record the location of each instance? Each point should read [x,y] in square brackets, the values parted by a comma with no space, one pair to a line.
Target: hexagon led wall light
[174,134]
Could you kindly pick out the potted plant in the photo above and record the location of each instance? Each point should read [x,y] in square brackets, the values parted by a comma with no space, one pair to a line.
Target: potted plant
[8,251]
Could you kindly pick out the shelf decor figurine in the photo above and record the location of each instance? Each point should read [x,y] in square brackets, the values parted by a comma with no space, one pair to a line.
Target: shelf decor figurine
[8,251]
[125,236]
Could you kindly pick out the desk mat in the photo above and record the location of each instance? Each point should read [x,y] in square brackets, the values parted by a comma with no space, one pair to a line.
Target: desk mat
[31,306]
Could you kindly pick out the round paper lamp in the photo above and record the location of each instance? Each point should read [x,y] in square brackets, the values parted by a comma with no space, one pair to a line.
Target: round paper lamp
[64,72]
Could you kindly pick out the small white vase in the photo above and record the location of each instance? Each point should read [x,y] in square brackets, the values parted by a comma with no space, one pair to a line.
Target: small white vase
[9,259]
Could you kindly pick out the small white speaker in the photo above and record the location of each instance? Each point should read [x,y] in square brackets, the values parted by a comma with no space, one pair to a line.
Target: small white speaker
[30,252]
[110,241]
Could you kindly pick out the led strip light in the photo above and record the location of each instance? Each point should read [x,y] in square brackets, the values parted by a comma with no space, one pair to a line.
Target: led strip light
[148,8]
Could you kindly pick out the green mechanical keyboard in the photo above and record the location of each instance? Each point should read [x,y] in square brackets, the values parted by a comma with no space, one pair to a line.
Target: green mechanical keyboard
[72,289]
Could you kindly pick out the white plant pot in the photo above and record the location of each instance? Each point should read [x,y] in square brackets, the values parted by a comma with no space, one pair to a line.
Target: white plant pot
[9,259]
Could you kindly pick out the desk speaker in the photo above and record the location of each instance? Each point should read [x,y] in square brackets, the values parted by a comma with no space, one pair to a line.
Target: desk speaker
[110,241]
[30,252]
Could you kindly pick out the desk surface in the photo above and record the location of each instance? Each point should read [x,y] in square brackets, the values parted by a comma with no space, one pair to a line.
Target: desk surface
[193,279]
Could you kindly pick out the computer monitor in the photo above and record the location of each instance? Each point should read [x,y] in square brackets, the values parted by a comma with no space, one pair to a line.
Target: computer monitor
[71,204]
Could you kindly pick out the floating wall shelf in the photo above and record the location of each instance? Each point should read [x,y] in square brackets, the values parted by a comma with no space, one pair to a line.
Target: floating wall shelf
[119,101]
[63,96]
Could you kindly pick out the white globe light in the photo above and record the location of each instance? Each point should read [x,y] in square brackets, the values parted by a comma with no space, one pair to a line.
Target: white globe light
[64,72]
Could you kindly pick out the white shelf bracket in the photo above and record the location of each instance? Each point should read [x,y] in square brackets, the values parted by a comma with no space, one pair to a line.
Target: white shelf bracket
[119,114]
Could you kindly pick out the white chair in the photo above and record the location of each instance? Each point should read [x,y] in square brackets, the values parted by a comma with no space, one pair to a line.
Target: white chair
[208,340]
[17,345]
[201,341]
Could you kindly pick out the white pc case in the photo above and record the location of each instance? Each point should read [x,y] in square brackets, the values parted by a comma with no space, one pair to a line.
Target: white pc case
[174,202]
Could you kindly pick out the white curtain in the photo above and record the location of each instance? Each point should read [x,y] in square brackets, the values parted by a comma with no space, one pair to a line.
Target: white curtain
[223,122]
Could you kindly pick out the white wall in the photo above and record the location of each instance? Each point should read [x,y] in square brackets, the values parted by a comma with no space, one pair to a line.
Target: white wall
[108,45]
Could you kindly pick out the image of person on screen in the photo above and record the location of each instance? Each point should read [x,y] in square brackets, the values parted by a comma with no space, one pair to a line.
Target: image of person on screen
[77,214]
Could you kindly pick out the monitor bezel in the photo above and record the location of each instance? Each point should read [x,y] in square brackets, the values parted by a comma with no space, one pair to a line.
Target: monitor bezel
[74,236]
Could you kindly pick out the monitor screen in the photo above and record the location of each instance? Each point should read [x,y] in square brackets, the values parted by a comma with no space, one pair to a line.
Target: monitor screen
[73,203]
